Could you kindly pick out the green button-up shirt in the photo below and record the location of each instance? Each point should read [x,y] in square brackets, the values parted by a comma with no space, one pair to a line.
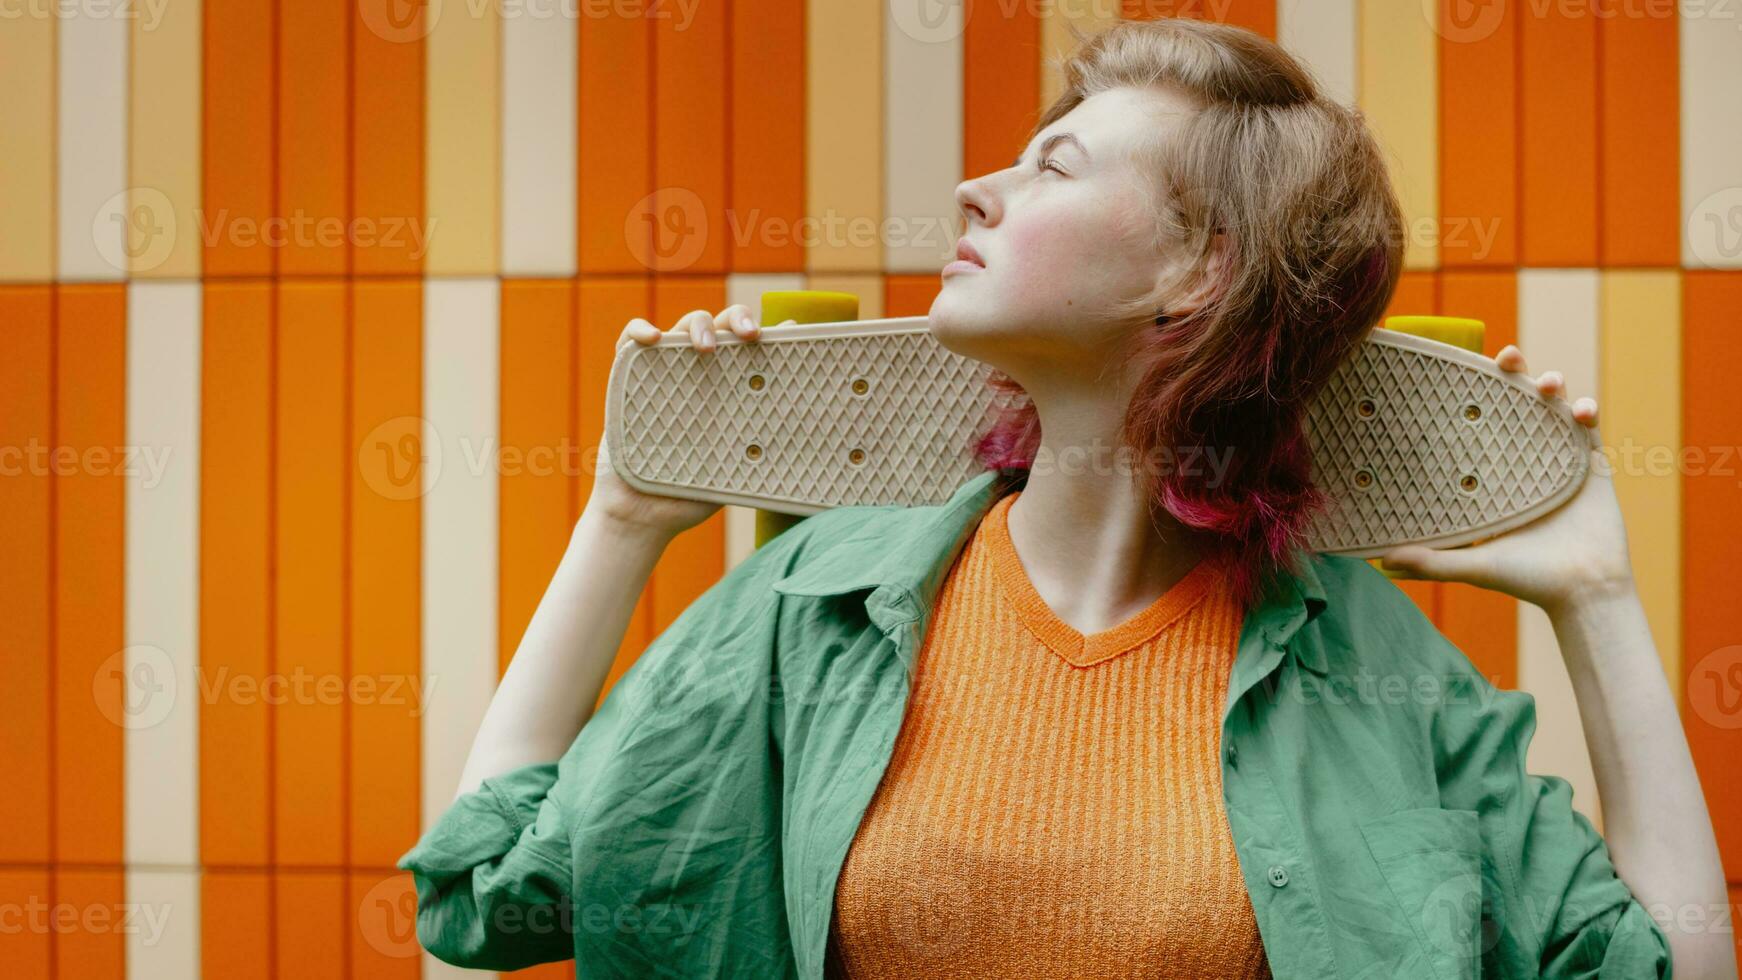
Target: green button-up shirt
[1374,783]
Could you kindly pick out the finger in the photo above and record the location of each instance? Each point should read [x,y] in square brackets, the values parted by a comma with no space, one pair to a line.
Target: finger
[1436,564]
[699,324]
[1510,358]
[639,331]
[737,319]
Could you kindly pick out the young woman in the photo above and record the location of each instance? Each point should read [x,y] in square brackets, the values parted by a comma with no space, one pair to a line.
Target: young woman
[1093,716]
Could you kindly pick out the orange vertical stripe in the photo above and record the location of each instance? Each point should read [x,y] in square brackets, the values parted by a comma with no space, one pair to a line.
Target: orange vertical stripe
[236,145]
[1558,137]
[1711,499]
[27,413]
[314,921]
[615,150]
[1640,140]
[765,200]
[1417,293]
[909,295]
[81,951]
[89,506]
[311,486]
[537,422]
[235,576]
[314,136]
[235,924]
[384,931]
[1254,15]
[604,307]
[25,953]
[1478,137]
[696,558]
[691,141]
[386,585]
[1482,622]
[387,134]
[1000,84]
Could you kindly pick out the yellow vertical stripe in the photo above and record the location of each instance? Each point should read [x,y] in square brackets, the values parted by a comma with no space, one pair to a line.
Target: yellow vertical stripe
[162,228]
[1639,415]
[1056,41]
[27,120]
[1399,93]
[843,135]
[463,119]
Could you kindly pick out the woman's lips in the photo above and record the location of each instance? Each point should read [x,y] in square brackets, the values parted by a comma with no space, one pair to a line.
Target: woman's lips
[967,259]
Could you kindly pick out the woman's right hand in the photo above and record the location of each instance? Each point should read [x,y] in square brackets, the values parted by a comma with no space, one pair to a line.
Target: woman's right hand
[617,501]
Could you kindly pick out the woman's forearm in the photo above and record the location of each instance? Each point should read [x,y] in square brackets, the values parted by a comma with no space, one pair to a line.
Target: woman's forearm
[552,683]
[1655,820]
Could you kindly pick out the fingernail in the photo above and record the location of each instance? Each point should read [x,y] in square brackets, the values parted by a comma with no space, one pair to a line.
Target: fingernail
[744,322]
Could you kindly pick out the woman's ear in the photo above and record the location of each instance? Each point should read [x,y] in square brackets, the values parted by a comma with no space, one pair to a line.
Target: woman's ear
[1210,281]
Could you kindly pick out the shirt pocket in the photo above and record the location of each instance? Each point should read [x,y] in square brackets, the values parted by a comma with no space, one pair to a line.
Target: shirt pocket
[1432,861]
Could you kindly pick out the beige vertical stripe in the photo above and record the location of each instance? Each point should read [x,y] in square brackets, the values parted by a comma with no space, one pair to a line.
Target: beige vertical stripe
[1711,150]
[1557,327]
[843,135]
[161,747]
[922,77]
[1639,413]
[1398,82]
[162,229]
[1324,34]
[92,152]
[1056,42]
[539,171]
[462,328]
[27,144]
[462,117]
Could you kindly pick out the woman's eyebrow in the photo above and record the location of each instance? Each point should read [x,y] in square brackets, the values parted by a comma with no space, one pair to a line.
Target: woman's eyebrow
[1054,140]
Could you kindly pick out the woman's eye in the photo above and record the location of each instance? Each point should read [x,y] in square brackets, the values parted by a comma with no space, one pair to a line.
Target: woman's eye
[1047,164]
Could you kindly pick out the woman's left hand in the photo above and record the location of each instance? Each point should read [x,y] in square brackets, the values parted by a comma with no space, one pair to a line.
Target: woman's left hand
[1577,550]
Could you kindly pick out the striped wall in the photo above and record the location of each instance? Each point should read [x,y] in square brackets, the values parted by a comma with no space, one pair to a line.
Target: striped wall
[307,310]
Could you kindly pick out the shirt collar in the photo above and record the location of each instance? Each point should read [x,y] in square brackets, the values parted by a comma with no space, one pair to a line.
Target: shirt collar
[903,554]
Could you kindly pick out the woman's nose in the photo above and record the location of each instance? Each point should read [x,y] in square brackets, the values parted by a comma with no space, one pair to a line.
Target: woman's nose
[977,201]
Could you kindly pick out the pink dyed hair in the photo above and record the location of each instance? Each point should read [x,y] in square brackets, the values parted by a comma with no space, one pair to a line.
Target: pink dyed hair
[1309,260]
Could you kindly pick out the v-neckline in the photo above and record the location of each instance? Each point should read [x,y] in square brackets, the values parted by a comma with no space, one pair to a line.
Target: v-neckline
[1074,647]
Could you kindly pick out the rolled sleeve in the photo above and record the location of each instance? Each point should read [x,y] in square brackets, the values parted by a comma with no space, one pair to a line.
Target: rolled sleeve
[493,875]
[1564,912]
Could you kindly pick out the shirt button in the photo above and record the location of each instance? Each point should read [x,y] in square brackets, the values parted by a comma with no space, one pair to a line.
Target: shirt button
[1231,755]
[1278,875]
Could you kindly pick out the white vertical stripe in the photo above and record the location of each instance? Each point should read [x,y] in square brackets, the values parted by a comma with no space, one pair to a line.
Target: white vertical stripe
[164,938]
[161,569]
[461,369]
[747,288]
[1557,330]
[922,135]
[92,149]
[1711,150]
[162,572]
[1323,34]
[539,62]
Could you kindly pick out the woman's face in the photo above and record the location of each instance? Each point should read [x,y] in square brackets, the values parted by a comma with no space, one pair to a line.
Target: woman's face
[1061,235]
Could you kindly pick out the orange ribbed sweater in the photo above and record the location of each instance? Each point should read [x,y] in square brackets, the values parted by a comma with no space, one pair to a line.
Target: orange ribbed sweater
[1053,805]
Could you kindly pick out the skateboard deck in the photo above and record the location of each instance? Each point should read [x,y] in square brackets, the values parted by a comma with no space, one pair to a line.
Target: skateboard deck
[1415,441]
